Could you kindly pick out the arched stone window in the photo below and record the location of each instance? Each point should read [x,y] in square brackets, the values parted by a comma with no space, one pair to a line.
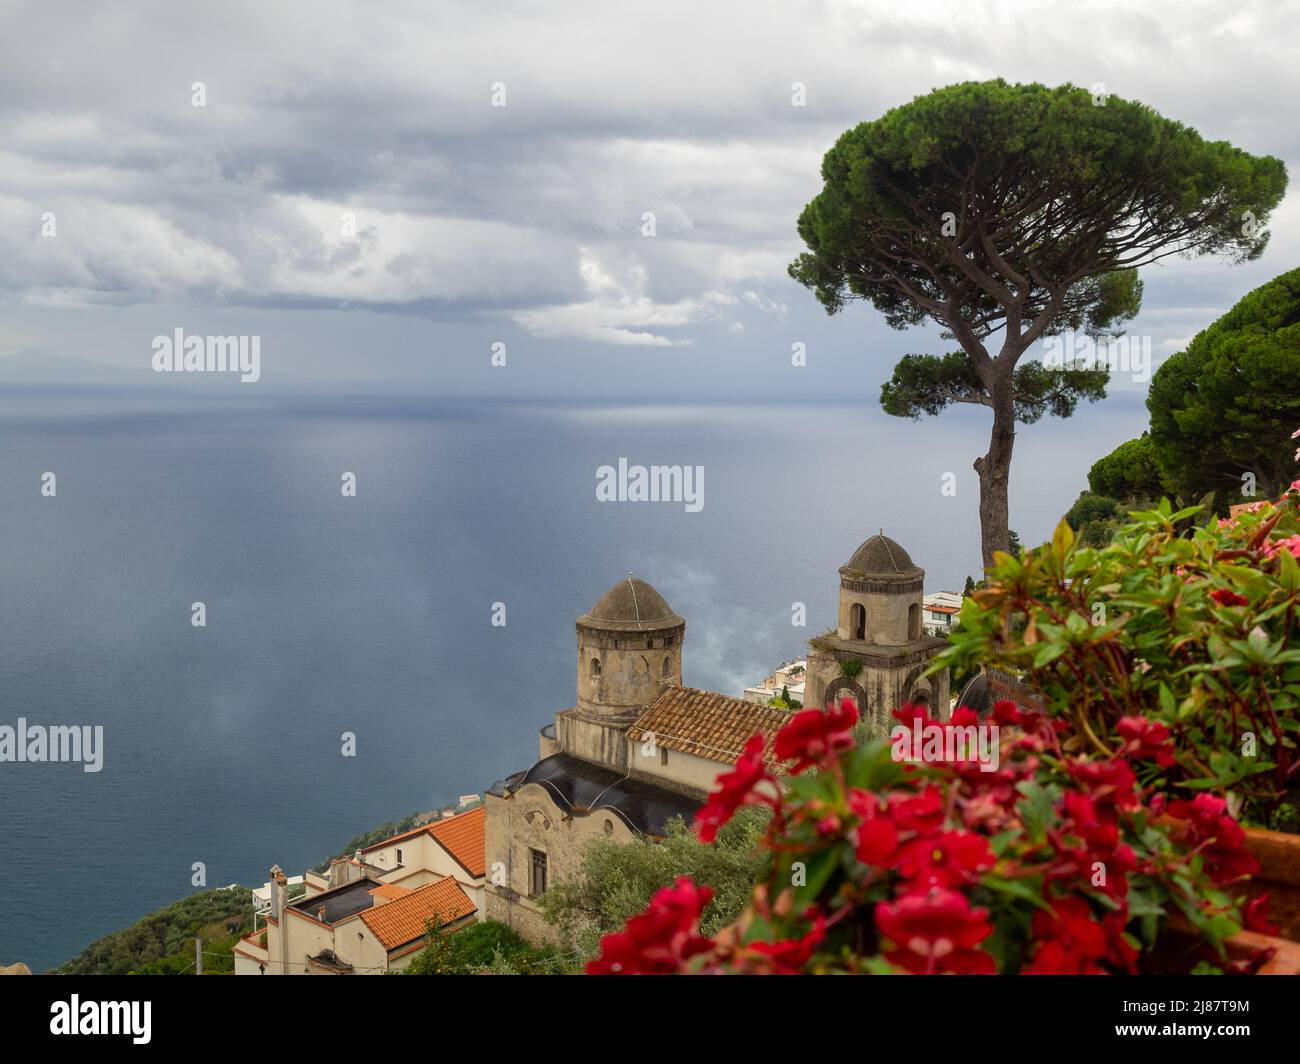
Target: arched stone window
[858,621]
[914,621]
[668,667]
[595,666]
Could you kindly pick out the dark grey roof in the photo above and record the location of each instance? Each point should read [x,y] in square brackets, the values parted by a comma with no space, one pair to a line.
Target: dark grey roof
[503,787]
[341,902]
[631,605]
[578,786]
[881,556]
[975,695]
[986,688]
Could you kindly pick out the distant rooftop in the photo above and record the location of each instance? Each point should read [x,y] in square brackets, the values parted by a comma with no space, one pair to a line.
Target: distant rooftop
[339,903]
[579,786]
[462,836]
[406,919]
[707,724]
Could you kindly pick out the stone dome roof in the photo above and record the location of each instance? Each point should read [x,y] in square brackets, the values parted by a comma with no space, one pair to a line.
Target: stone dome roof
[881,556]
[631,605]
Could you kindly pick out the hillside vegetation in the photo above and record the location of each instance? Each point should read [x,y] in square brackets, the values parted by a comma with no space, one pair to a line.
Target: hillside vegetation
[162,943]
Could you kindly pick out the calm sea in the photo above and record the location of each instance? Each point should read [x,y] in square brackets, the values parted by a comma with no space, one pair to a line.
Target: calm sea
[372,614]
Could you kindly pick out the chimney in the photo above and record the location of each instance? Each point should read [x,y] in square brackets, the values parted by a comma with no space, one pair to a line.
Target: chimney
[278,892]
[320,914]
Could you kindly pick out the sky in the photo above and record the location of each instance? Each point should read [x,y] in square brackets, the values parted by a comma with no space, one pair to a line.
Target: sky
[497,163]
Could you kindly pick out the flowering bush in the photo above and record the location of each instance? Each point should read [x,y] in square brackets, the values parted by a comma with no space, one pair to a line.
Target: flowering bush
[1185,636]
[1047,862]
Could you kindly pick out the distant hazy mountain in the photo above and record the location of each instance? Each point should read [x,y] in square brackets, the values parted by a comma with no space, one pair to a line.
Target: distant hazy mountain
[35,367]
[36,371]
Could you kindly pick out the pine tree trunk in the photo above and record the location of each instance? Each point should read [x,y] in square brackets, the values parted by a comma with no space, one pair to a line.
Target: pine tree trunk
[994,469]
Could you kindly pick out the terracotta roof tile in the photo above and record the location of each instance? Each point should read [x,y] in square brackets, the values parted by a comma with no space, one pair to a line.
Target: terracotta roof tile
[390,890]
[423,829]
[404,920]
[461,835]
[708,724]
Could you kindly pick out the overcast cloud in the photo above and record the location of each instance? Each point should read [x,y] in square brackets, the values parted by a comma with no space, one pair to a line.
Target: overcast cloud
[523,223]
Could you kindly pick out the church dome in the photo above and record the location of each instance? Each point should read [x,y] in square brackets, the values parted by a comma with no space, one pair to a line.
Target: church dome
[630,605]
[881,556]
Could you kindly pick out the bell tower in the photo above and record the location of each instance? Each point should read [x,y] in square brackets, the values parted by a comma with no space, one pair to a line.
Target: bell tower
[877,651]
[629,649]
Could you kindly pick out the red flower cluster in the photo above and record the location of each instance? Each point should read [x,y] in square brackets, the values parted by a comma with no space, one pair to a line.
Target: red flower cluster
[1146,740]
[735,788]
[660,940]
[1067,825]
[1072,941]
[936,932]
[814,736]
[1217,836]
[812,739]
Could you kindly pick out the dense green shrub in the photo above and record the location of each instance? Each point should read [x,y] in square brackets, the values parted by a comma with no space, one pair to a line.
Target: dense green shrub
[617,880]
[479,947]
[1191,629]
[165,939]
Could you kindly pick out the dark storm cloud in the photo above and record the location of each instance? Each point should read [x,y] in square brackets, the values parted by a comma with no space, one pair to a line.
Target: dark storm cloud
[531,214]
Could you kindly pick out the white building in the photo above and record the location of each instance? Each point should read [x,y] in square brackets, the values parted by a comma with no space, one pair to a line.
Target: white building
[790,675]
[939,611]
[370,914]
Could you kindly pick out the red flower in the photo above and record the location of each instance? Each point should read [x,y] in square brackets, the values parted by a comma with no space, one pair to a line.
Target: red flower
[1146,739]
[1006,712]
[828,825]
[1224,597]
[1254,915]
[735,788]
[922,813]
[1109,783]
[813,736]
[660,940]
[936,932]
[790,956]
[877,841]
[1098,829]
[946,860]
[963,717]
[1071,942]
[1218,836]
[910,711]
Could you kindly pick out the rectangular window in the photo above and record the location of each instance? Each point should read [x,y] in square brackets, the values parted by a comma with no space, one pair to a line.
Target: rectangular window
[537,883]
[663,755]
[399,856]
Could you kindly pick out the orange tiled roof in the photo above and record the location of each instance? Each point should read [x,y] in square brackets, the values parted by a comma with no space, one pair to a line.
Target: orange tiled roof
[390,890]
[460,835]
[463,838]
[421,830]
[708,724]
[403,920]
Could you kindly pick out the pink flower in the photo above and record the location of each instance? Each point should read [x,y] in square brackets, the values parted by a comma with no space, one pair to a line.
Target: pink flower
[1272,546]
